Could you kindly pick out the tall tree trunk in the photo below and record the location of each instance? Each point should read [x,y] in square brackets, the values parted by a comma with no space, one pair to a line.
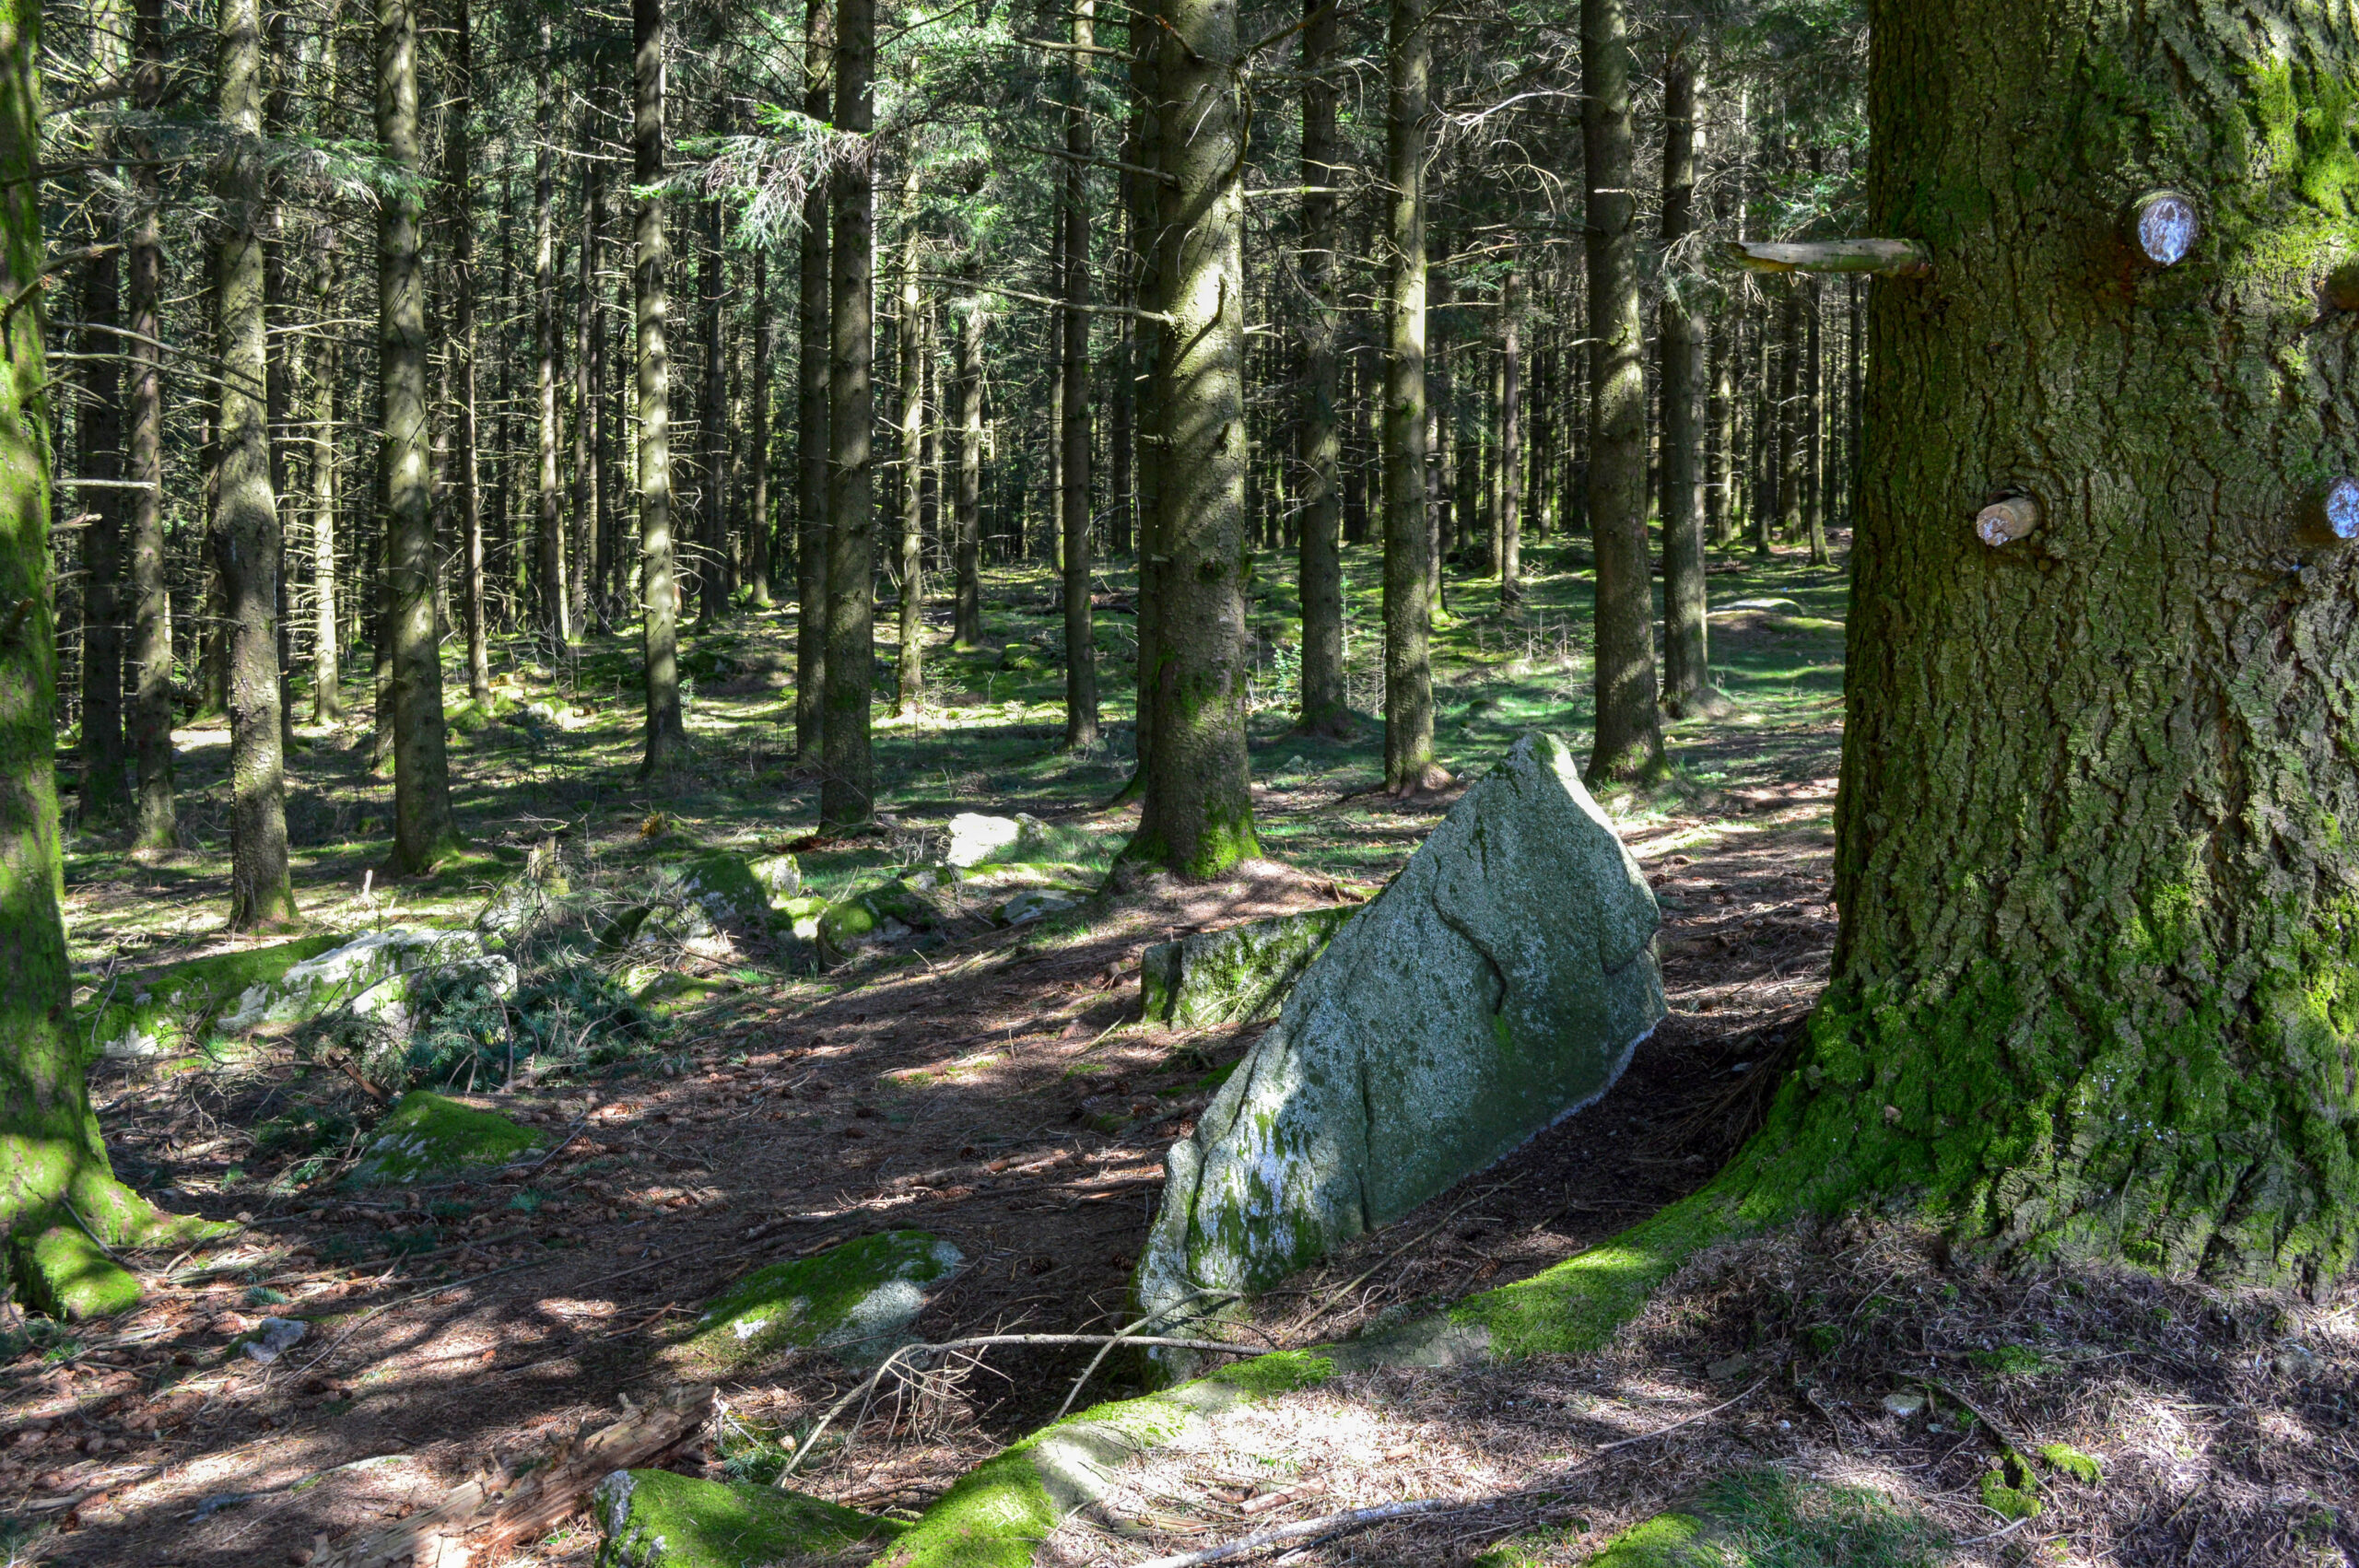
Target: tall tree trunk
[712,431]
[1442,513]
[848,787]
[586,492]
[1409,764]
[155,830]
[327,628]
[1052,536]
[424,830]
[105,796]
[758,480]
[908,676]
[967,531]
[1081,636]
[458,178]
[1511,301]
[1197,816]
[260,890]
[2083,1001]
[1813,413]
[1687,674]
[548,530]
[1326,709]
[667,736]
[1151,220]
[1792,408]
[1628,743]
[812,345]
[56,1156]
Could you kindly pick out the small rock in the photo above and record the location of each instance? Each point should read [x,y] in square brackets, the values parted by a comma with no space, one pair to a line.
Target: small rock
[975,838]
[1728,1369]
[427,1135]
[274,1338]
[1908,1407]
[1031,906]
[855,1301]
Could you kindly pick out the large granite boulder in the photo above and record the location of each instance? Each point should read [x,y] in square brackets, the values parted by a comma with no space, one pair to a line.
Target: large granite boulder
[1238,973]
[1499,984]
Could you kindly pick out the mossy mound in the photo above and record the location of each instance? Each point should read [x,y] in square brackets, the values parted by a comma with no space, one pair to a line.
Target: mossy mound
[723,884]
[62,1272]
[1238,975]
[1773,1519]
[779,876]
[855,1301]
[168,1009]
[427,1135]
[657,1519]
[877,914]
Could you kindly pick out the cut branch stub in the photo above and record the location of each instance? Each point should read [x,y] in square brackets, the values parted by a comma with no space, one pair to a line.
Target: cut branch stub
[1877,258]
[2005,521]
[2163,226]
[2331,512]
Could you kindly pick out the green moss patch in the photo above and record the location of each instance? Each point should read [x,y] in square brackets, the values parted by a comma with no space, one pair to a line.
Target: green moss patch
[2065,1459]
[1667,1540]
[721,882]
[855,1301]
[1280,1371]
[1574,1307]
[63,1272]
[427,1135]
[168,1009]
[657,1519]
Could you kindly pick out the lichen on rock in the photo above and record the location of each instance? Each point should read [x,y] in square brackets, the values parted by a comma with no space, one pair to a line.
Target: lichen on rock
[855,1301]
[1236,975]
[370,976]
[170,1008]
[657,1519]
[427,1135]
[1499,983]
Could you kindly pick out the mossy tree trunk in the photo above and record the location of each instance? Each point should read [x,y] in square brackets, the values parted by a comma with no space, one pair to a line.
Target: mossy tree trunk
[847,784]
[1409,764]
[811,347]
[1628,742]
[424,829]
[51,1153]
[247,525]
[667,735]
[1197,815]
[1680,343]
[2094,985]
[1319,579]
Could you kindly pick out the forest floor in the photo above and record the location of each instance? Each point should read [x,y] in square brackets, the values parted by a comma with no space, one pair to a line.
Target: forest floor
[997,1091]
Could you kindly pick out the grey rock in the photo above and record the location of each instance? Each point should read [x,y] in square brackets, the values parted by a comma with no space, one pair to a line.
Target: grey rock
[1236,975]
[1908,1407]
[1499,984]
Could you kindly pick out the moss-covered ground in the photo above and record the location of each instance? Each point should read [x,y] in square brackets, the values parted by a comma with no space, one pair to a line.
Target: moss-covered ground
[707,1107]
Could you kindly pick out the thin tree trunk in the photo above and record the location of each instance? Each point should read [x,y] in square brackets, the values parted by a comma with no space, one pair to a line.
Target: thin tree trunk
[812,345]
[327,634]
[1081,637]
[1512,300]
[1813,416]
[548,530]
[713,432]
[582,558]
[667,738]
[757,484]
[1151,220]
[848,785]
[260,890]
[1052,537]
[967,616]
[105,794]
[1790,409]
[1409,764]
[1197,816]
[424,830]
[1628,743]
[1687,675]
[1326,709]
[908,678]
[458,179]
[155,830]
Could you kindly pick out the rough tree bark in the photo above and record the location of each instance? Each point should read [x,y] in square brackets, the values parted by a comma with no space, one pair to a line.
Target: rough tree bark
[908,671]
[424,830]
[1628,742]
[155,829]
[548,515]
[1197,815]
[966,613]
[757,481]
[104,796]
[1081,636]
[327,629]
[1319,576]
[847,784]
[712,428]
[1679,338]
[247,522]
[587,493]
[667,736]
[1409,766]
[812,343]
[458,178]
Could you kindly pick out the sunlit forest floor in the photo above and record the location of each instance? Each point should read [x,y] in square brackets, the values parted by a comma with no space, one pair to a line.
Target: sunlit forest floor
[995,1089]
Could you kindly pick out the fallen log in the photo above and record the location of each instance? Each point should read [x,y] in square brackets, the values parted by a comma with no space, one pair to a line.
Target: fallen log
[480,1519]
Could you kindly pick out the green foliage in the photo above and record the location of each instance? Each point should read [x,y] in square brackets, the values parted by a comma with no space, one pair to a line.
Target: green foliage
[1773,1519]
[565,1012]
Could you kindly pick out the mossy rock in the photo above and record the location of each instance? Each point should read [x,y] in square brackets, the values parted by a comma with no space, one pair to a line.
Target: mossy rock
[1235,975]
[872,916]
[779,876]
[429,1136]
[62,1272]
[168,1009]
[657,1519]
[723,884]
[855,1301]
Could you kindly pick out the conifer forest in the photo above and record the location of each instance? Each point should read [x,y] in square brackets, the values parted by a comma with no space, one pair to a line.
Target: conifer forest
[986,783]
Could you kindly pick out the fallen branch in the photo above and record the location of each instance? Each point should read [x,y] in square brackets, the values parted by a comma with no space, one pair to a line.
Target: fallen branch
[479,1519]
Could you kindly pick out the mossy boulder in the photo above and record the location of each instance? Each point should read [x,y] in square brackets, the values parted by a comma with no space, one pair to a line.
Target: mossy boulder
[369,975]
[61,1272]
[429,1136]
[856,1302]
[1235,976]
[779,876]
[169,1009]
[1499,983]
[883,913]
[722,882]
[657,1519]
